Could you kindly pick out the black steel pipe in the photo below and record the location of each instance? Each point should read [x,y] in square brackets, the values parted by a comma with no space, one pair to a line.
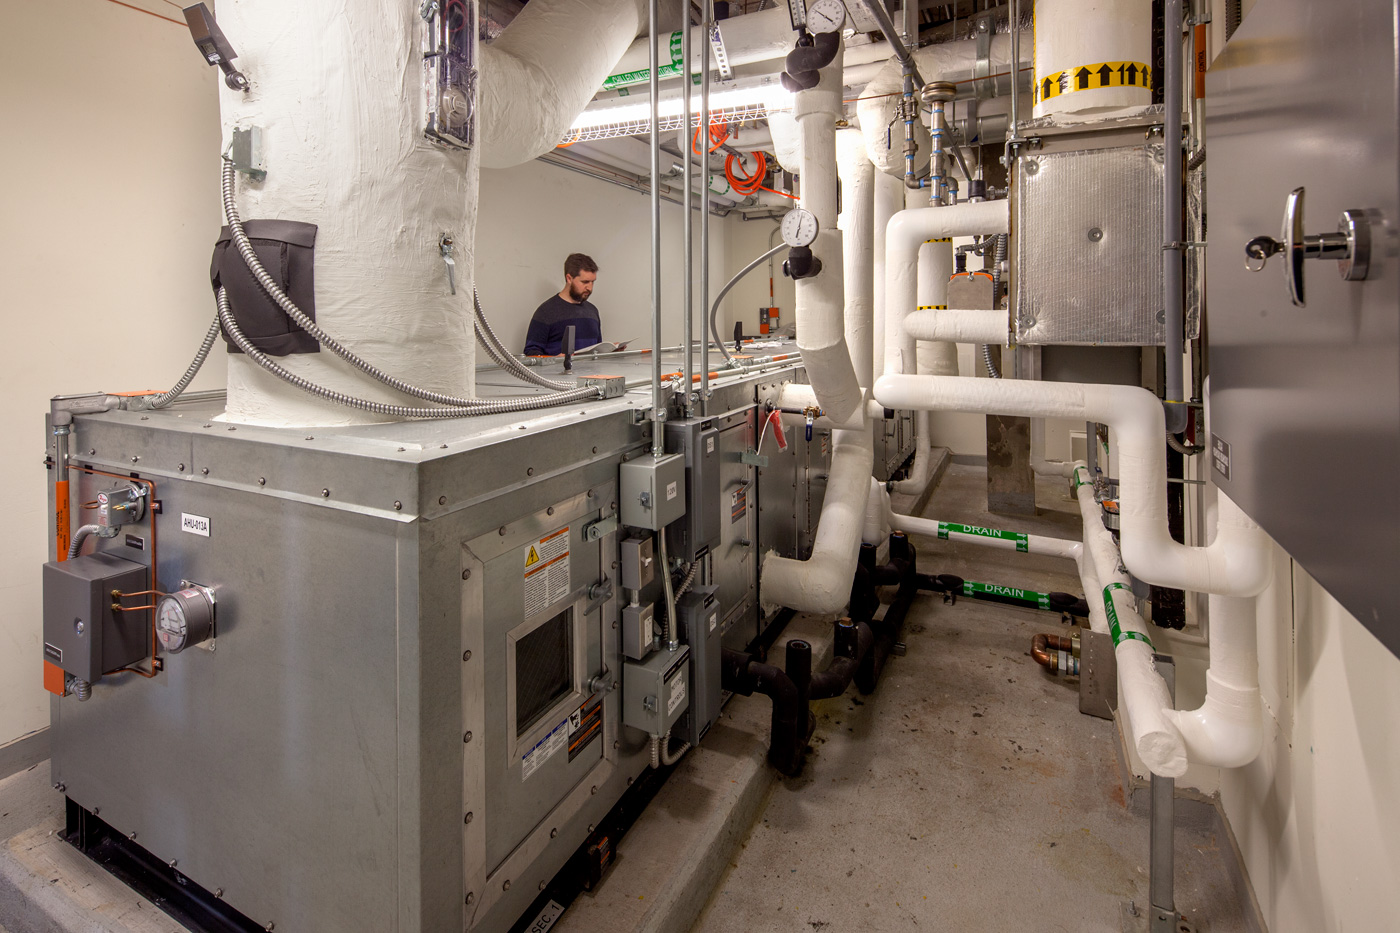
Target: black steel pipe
[853,642]
[789,727]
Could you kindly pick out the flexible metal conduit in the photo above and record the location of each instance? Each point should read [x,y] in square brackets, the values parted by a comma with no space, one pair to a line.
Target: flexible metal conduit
[714,308]
[167,398]
[503,357]
[478,407]
[457,406]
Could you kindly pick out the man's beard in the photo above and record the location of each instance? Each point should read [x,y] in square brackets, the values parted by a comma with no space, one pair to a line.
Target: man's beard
[578,294]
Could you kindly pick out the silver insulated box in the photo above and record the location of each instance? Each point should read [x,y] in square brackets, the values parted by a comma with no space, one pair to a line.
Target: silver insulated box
[1088,247]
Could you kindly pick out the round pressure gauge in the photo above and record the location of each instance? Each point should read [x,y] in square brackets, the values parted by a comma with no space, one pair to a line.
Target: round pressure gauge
[799,227]
[825,16]
[185,618]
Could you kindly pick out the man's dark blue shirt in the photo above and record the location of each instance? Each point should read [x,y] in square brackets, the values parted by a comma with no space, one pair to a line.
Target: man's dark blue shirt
[546,334]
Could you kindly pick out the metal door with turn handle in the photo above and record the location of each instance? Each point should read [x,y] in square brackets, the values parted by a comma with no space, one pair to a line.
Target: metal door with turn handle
[1303,290]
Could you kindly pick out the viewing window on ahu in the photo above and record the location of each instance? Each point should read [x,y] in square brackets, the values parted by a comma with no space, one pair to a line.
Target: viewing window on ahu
[543,669]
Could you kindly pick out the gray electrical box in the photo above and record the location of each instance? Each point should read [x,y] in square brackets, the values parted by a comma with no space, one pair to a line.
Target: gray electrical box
[655,692]
[82,633]
[652,491]
[637,630]
[698,613]
[697,441]
[638,562]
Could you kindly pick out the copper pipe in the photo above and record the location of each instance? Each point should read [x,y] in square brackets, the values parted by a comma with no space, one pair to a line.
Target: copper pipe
[1043,645]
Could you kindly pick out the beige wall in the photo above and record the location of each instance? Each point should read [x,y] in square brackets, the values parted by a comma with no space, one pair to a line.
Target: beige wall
[110,162]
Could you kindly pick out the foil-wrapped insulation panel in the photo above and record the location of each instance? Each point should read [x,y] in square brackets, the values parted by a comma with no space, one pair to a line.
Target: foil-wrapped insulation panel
[1088,247]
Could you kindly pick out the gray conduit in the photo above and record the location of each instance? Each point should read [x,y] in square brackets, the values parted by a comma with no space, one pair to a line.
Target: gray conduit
[478,406]
[714,308]
[503,357]
[458,407]
[166,398]
[79,536]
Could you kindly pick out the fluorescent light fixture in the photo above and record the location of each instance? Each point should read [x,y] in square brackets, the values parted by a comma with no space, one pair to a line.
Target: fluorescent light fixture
[767,95]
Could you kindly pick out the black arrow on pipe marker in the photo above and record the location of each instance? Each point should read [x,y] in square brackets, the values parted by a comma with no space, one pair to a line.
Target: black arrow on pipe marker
[1105,75]
[1045,89]
[1082,78]
[1132,76]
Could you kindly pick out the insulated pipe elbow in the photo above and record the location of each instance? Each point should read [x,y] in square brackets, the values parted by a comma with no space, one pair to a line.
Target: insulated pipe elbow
[538,76]
[970,325]
[1227,730]
[904,235]
[822,584]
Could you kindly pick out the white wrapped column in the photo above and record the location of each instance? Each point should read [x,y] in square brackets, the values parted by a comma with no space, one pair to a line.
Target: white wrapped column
[337,91]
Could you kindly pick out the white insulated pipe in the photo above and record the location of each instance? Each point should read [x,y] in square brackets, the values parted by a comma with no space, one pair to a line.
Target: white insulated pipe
[938,358]
[1227,730]
[889,200]
[822,583]
[960,325]
[1027,544]
[341,120]
[1143,695]
[1081,44]
[1236,563]
[904,236]
[820,299]
[540,74]
[857,249]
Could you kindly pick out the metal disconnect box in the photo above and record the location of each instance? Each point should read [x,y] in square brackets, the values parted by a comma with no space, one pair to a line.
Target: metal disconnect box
[1088,247]
[698,613]
[655,692]
[652,493]
[1302,394]
[82,633]
[698,441]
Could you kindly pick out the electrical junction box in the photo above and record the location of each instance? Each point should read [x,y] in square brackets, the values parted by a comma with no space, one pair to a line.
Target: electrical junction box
[697,441]
[698,614]
[652,491]
[655,692]
[637,622]
[83,634]
[638,562]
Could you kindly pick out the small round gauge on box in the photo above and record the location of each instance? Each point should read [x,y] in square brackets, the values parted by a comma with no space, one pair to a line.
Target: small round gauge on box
[825,16]
[799,227]
[185,618]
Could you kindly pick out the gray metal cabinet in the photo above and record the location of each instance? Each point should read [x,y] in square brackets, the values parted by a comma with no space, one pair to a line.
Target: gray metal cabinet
[1306,400]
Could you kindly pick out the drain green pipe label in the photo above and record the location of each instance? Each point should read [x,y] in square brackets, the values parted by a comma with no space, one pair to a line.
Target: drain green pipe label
[991,589]
[1022,540]
[1114,629]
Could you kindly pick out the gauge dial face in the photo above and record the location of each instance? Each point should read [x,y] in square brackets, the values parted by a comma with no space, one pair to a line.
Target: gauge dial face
[799,227]
[825,16]
[171,625]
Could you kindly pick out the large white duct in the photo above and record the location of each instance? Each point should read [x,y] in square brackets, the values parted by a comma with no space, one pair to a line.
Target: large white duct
[904,236]
[1236,563]
[342,129]
[542,71]
[857,249]
[946,61]
[1080,44]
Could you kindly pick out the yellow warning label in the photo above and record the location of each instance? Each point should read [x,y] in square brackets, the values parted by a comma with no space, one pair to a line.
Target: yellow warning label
[946,239]
[933,307]
[1092,77]
[532,558]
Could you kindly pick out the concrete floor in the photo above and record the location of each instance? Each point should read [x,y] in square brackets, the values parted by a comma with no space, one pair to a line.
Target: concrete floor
[968,792]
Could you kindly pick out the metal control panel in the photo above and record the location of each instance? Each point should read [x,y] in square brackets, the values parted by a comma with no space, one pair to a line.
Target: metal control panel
[655,692]
[652,491]
[1304,355]
[698,613]
[83,633]
[697,440]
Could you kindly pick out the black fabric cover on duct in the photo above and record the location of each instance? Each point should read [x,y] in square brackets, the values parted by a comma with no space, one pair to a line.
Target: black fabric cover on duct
[286,249]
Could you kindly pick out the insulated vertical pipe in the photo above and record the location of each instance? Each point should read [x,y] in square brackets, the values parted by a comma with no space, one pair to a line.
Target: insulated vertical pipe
[687,229]
[708,25]
[858,256]
[820,299]
[658,408]
[1172,273]
[889,200]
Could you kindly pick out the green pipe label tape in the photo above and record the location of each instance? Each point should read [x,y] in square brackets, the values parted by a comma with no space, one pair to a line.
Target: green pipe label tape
[1092,77]
[1114,629]
[613,82]
[1022,540]
[991,589]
